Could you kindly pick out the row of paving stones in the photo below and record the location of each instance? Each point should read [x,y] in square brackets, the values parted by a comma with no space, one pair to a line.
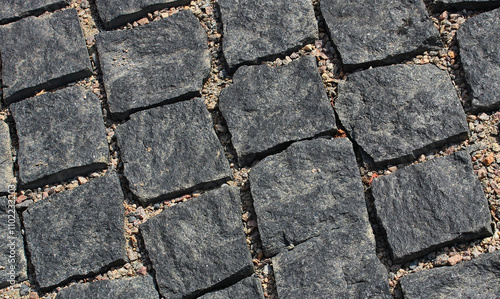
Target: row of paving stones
[145,125]
[130,59]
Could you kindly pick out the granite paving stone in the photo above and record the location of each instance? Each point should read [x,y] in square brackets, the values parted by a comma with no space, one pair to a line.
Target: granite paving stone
[255,30]
[12,258]
[430,205]
[42,53]
[11,10]
[267,107]
[478,40]
[249,288]
[170,150]
[394,113]
[478,278]
[77,233]
[316,179]
[160,62]
[337,264]
[6,163]
[198,245]
[61,135]
[141,287]
[115,13]
[379,31]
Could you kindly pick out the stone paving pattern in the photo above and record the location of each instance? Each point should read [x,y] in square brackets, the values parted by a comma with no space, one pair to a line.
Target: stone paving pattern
[430,205]
[122,127]
[267,107]
[478,38]
[25,67]
[159,62]
[84,235]
[61,135]
[396,112]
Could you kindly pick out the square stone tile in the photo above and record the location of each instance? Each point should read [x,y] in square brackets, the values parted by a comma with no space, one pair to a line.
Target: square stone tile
[61,135]
[395,113]
[266,108]
[316,179]
[77,233]
[255,30]
[160,62]
[427,206]
[198,245]
[379,32]
[43,52]
[10,10]
[171,150]
[6,163]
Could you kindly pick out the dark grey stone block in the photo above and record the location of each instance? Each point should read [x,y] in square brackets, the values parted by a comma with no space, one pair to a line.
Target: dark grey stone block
[198,245]
[379,32]
[478,278]
[115,13]
[395,113]
[12,258]
[160,62]
[6,163]
[318,180]
[171,150]
[77,233]
[478,40]
[61,135]
[249,288]
[141,287]
[42,53]
[338,264]
[269,107]
[10,10]
[440,5]
[255,30]
[427,206]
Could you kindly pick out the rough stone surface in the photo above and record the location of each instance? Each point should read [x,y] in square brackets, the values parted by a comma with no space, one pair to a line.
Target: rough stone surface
[478,39]
[268,107]
[318,180]
[61,135]
[375,32]
[338,264]
[116,13]
[396,112]
[42,53]
[249,288]
[170,150]
[76,233]
[199,244]
[439,5]
[12,241]
[427,206]
[260,29]
[155,63]
[133,288]
[11,10]
[478,278]
[6,163]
